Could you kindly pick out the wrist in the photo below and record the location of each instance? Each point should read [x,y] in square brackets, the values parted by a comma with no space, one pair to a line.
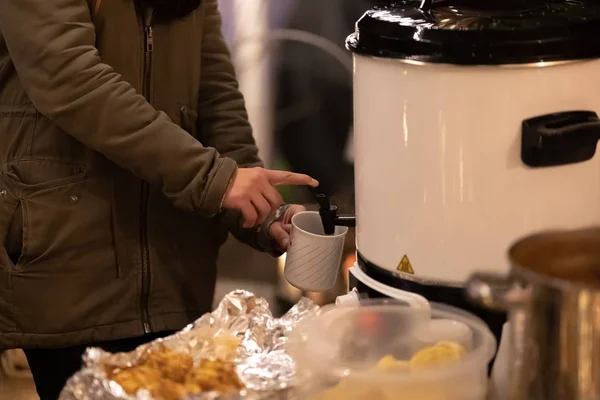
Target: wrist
[264,239]
[228,189]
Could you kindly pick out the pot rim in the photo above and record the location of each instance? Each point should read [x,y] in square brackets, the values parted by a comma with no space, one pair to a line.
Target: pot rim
[534,244]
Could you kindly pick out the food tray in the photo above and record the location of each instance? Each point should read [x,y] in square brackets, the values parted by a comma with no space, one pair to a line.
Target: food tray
[261,360]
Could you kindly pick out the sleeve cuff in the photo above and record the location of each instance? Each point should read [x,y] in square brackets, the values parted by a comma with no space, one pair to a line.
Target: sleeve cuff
[217,187]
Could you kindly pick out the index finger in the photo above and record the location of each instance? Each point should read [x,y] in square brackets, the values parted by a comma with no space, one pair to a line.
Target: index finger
[278,178]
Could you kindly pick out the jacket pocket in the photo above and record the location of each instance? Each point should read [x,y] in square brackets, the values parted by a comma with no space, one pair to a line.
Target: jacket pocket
[68,262]
[32,174]
[25,178]
[189,120]
[44,195]
[14,243]
[9,201]
[11,225]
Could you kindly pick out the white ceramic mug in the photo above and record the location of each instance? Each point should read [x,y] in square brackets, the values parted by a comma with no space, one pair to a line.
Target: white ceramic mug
[313,260]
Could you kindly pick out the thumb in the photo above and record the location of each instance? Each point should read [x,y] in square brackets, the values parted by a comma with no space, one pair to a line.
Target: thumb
[280,235]
[277,178]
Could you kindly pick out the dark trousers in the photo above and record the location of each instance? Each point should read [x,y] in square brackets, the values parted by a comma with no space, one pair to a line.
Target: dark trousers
[51,368]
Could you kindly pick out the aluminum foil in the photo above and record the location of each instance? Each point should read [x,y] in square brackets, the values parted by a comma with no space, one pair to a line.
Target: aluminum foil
[263,363]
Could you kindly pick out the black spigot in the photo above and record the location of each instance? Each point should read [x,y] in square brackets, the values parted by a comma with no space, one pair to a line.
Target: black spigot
[329,215]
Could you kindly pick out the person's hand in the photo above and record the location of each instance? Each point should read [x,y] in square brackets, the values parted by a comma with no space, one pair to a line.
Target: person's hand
[280,230]
[253,192]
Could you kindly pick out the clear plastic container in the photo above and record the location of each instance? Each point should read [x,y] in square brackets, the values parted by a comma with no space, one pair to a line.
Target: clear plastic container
[337,353]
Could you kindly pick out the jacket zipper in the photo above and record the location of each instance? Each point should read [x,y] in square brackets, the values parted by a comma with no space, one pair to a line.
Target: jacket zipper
[145,252]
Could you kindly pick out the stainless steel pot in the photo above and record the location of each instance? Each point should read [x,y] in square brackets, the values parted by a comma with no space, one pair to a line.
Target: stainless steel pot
[552,295]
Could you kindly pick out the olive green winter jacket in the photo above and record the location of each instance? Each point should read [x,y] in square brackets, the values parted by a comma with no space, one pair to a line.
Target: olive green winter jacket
[119,135]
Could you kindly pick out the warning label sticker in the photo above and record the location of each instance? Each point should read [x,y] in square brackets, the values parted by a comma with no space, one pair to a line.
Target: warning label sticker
[405,266]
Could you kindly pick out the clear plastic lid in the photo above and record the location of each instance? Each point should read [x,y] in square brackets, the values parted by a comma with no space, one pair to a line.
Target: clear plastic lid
[385,343]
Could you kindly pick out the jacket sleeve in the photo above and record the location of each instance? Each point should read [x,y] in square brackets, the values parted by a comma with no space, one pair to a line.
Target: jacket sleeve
[223,119]
[52,46]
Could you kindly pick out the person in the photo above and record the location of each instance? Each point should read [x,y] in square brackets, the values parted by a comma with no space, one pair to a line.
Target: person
[126,158]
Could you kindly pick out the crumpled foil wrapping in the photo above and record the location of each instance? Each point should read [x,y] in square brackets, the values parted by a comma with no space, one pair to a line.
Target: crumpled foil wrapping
[263,363]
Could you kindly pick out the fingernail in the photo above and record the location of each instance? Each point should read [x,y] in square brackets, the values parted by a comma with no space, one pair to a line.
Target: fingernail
[314,183]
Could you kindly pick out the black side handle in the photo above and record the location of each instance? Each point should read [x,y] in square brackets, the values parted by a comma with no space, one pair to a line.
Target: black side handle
[560,139]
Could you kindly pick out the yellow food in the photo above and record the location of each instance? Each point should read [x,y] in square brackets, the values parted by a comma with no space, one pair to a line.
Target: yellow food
[132,379]
[390,364]
[173,366]
[172,376]
[226,345]
[429,357]
[165,389]
[216,376]
[222,344]
[440,354]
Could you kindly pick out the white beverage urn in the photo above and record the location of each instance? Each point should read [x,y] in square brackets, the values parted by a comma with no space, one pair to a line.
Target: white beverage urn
[476,123]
